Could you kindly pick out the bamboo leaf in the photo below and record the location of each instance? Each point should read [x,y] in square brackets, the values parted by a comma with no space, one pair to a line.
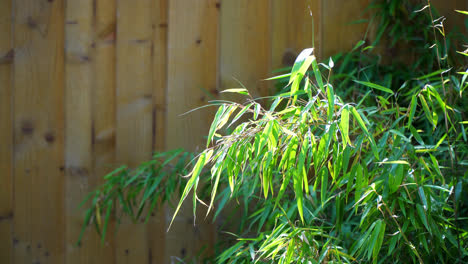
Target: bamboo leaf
[317,74]
[331,101]
[202,160]
[256,111]
[375,86]
[214,125]
[236,90]
[282,76]
[462,12]
[394,162]
[324,185]
[344,123]
[422,216]
[412,110]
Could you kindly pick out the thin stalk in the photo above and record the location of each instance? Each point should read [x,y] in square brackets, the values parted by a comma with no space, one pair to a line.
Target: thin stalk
[452,151]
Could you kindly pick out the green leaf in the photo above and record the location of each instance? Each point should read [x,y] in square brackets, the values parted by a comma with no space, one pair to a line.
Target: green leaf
[416,135]
[375,86]
[359,44]
[212,131]
[106,220]
[422,216]
[372,246]
[236,90]
[282,76]
[422,195]
[462,12]
[344,125]
[381,234]
[458,191]
[225,117]
[427,112]
[361,123]
[358,118]
[323,185]
[256,111]
[424,77]
[202,160]
[301,64]
[394,162]
[331,101]
[241,112]
[412,110]
[317,74]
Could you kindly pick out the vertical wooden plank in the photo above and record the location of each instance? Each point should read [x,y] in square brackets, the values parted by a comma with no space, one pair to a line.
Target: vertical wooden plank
[160,71]
[78,133]
[38,131]
[292,30]
[6,134]
[192,70]
[245,44]
[134,103]
[103,114]
[338,34]
[157,223]
[192,81]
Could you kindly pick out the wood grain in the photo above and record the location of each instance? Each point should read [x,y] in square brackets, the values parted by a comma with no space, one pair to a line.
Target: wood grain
[6,134]
[245,44]
[39,131]
[292,30]
[78,128]
[103,115]
[134,103]
[337,25]
[192,81]
[157,223]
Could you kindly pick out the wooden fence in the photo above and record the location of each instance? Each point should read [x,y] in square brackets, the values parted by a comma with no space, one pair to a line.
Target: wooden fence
[87,85]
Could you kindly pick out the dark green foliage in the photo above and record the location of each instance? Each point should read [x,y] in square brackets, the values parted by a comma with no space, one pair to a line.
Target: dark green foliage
[137,192]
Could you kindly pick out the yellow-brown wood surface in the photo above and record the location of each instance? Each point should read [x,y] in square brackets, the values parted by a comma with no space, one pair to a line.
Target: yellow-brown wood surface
[79,80]
[157,223]
[192,75]
[103,117]
[245,44]
[292,30]
[339,33]
[134,104]
[6,135]
[38,98]
[89,85]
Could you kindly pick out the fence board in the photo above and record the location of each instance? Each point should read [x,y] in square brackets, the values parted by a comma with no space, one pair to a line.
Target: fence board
[78,129]
[292,30]
[336,25]
[245,44]
[6,134]
[134,110]
[38,127]
[103,113]
[192,75]
[160,31]
[157,223]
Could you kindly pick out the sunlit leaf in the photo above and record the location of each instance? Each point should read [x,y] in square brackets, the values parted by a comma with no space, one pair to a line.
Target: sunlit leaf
[375,86]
